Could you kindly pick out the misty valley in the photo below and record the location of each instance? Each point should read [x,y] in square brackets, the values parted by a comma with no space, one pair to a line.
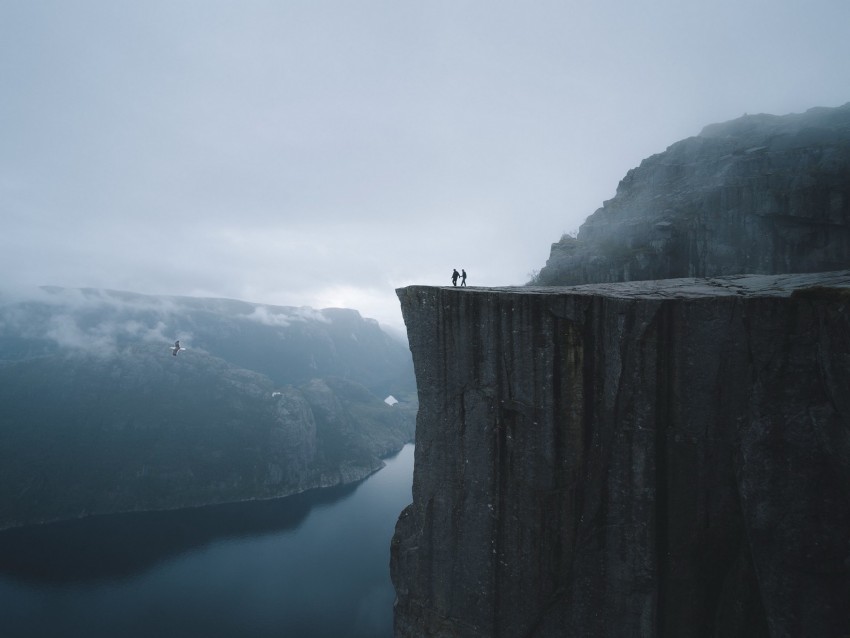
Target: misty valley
[123,462]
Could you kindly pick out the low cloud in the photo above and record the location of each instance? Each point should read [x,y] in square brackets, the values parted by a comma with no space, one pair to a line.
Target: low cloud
[102,338]
[284,317]
[92,321]
[64,330]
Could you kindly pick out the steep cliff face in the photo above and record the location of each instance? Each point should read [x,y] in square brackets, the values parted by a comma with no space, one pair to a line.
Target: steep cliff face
[760,194]
[638,459]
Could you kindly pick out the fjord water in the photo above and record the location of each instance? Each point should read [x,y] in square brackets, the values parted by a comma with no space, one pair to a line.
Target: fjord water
[310,565]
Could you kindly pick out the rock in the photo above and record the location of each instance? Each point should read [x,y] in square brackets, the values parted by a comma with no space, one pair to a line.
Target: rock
[760,194]
[638,459]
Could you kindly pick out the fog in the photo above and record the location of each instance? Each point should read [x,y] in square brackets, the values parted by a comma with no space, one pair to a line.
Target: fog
[323,154]
[106,323]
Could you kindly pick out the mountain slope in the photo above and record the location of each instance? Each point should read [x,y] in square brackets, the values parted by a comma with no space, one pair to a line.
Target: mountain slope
[97,416]
[760,194]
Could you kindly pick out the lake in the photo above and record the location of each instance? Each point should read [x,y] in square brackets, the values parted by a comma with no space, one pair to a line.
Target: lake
[310,565]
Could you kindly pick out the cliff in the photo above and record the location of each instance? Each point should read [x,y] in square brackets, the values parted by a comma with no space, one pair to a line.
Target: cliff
[666,458]
[759,194]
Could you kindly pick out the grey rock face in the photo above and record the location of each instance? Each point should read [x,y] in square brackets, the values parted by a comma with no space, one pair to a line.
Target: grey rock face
[637,459]
[760,194]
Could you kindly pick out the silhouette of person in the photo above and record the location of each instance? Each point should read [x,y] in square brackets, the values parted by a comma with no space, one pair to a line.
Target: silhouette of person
[463,277]
[455,275]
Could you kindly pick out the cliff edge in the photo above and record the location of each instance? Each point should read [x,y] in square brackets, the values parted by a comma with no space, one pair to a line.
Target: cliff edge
[655,458]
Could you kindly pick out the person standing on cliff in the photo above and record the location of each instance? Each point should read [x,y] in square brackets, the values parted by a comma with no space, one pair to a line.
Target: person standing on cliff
[462,277]
[455,275]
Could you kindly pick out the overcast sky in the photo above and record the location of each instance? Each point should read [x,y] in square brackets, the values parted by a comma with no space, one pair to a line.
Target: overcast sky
[326,152]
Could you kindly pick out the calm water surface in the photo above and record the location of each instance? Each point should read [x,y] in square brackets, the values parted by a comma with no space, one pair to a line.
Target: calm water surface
[311,565]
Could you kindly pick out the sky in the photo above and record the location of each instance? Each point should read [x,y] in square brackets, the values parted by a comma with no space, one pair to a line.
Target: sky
[323,153]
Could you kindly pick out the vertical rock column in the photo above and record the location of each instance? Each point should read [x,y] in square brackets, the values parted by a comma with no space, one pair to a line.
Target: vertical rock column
[494,518]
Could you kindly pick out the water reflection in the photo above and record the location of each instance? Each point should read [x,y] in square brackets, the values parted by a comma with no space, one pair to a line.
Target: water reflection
[121,545]
[311,566]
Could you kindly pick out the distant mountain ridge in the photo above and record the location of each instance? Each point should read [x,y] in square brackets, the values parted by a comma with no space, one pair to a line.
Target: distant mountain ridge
[761,194]
[98,416]
[287,344]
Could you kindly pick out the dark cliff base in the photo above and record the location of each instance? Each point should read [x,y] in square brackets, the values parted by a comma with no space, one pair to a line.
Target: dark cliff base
[642,459]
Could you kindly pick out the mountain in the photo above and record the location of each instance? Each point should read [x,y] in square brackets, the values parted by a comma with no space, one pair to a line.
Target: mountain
[759,194]
[97,415]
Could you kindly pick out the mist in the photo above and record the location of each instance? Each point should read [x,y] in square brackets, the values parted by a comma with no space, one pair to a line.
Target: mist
[323,155]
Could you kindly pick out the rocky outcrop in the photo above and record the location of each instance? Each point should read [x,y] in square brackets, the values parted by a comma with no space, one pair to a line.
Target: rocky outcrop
[636,459]
[760,194]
